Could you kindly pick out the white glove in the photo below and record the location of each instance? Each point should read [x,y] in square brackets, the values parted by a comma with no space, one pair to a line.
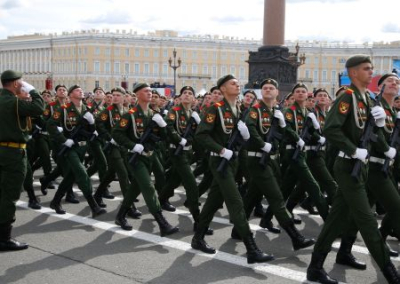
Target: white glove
[391,153]
[196,117]
[60,129]
[138,148]
[38,127]
[244,131]
[314,120]
[379,115]
[301,143]
[165,112]
[183,142]
[322,140]
[267,147]
[69,143]
[157,118]
[29,137]
[279,115]
[89,117]
[227,154]
[112,141]
[27,87]
[96,133]
[360,154]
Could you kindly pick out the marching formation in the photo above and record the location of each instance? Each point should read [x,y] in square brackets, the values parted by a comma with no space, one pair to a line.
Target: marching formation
[335,158]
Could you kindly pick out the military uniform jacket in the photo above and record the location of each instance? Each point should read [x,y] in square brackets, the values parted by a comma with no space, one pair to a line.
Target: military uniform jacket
[346,119]
[217,126]
[131,127]
[259,124]
[107,120]
[68,117]
[95,108]
[15,115]
[177,122]
[295,120]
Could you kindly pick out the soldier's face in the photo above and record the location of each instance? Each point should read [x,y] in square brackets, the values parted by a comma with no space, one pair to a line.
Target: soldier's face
[144,95]
[397,104]
[269,92]
[322,98]
[154,99]
[300,94]
[109,99]
[216,96]
[77,94]
[187,97]
[231,88]
[117,97]
[99,95]
[17,85]
[61,92]
[363,73]
[391,86]
[207,99]
[47,97]
[248,98]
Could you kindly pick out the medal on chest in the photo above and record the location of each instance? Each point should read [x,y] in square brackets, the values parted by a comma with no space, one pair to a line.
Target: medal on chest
[139,124]
[266,119]
[300,121]
[362,111]
[228,120]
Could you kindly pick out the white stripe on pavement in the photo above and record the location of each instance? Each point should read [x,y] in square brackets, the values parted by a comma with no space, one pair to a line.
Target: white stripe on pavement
[179,245]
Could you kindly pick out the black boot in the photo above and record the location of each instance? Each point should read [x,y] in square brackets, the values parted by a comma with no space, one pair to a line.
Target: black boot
[391,274]
[120,220]
[96,209]
[290,204]
[259,210]
[165,205]
[6,242]
[195,214]
[51,185]
[99,199]
[209,231]
[107,194]
[235,235]
[254,254]
[266,222]
[307,204]
[44,183]
[56,203]
[345,257]
[33,200]
[134,213]
[165,227]
[316,272]
[384,236]
[298,240]
[70,197]
[199,243]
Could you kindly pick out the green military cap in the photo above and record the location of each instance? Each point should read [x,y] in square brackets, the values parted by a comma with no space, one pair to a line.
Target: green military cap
[269,81]
[10,75]
[154,91]
[288,96]
[213,89]
[118,89]
[186,88]
[357,59]
[299,85]
[140,86]
[320,90]
[224,79]
[383,78]
[72,88]
[251,92]
[59,86]
[98,88]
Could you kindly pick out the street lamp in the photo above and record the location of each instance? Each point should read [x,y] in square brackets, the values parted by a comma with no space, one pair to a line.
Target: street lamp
[174,66]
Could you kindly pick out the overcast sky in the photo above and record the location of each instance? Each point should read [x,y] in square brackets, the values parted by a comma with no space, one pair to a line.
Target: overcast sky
[333,20]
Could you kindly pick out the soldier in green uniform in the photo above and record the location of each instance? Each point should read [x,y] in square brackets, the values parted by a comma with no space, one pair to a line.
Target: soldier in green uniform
[344,127]
[116,155]
[15,126]
[128,133]
[298,171]
[214,132]
[70,127]
[262,177]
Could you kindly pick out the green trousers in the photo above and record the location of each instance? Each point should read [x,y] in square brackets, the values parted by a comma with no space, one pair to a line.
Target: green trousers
[99,160]
[224,189]
[12,175]
[263,182]
[42,150]
[142,184]
[299,173]
[351,200]
[74,171]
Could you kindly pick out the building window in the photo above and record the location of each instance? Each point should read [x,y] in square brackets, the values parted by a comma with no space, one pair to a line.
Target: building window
[194,69]
[117,51]
[223,71]
[146,69]
[232,70]
[334,60]
[165,70]
[127,52]
[324,76]
[316,60]
[242,73]
[184,54]
[96,84]
[137,68]
[137,52]
[165,53]
[215,55]
[107,51]
[205,70]
[156,70]
[96,67]
[146,53]
[107,85]
[97,51]
[214,71]
[223,55]
[126,68]
[205,55]
[117,69]
[307,73]
[107,68]
[334,76]
[194,55]
[233,56]
[184,68]
[315,77]
[156,53]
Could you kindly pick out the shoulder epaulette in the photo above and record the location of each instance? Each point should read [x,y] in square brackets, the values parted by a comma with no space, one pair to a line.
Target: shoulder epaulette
[349,91]
[177,108]
[132,110]
[219,104]
[111,107]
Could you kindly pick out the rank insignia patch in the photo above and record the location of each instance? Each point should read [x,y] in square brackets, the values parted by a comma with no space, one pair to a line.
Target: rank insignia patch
[210,118]
[123,122]
[343,107]
[253,114]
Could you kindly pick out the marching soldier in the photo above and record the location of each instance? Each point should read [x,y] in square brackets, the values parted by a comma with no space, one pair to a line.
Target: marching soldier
[214,132]
[15,126]
[344,127]
[263,180]
[71,126]
[128,133]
